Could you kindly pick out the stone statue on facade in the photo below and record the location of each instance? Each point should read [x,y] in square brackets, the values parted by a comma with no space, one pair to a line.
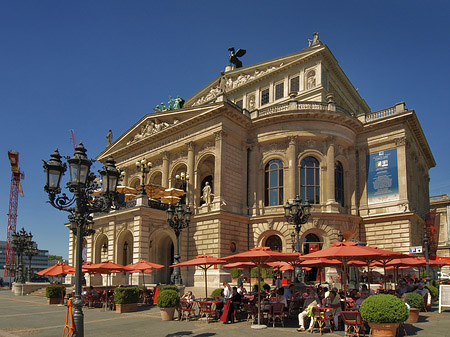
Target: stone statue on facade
[206,197]
[234,56]
[315,40]
[173,104]
[109,138]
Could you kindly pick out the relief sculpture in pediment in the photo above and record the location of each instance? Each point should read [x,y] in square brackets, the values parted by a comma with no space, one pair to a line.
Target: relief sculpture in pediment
[148,128]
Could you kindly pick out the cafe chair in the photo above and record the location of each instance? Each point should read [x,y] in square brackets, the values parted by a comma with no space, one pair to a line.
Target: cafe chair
[252,311]
[277,311]
[207,311]
[353,323]
[321,320]
[187,310]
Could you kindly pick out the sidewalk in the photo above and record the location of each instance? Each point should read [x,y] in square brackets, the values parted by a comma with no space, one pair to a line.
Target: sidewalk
[31,316]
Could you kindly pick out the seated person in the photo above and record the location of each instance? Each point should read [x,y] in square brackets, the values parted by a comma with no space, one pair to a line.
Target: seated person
[188,296]
[241,290]
[93,292]
[333,301]
[266,288]
[84,292]
[311,300]
[358,302]
[422,290]
[280,298]
[402,288]
[290,291]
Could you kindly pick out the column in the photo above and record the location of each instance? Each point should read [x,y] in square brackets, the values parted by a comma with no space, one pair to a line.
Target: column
[400,143]
[190,172]
[362,181]
[290,183]
[332,205]
[253,168]
[350,182]
[165,169]
[218,169]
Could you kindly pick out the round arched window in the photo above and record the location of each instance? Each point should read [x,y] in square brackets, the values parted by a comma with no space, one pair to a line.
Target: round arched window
[274,242]
[311,243]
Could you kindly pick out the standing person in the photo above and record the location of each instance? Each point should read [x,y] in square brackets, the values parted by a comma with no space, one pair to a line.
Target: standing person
[240,280]
[364,295]
[278,283]
[227,293]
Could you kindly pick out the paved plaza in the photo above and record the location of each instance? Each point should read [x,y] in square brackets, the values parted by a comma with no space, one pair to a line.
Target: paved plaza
[31,316]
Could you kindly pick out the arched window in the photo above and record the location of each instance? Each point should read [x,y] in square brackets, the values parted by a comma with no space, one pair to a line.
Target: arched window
[274,242]
[274,183]
[311,243]
[339,183]
[309,180]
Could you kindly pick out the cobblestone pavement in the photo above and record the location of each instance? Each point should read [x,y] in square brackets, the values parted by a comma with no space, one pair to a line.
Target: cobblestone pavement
[31,316]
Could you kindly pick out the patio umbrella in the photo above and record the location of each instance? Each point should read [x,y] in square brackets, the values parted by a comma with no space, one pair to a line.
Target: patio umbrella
[60,269]
[173,192]
[107,267]
[260,256]
[347,251]
[320,263]
[204,262]
[143,266]
[154,191]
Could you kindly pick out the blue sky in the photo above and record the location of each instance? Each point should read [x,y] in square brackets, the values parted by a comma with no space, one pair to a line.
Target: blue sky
[91,66]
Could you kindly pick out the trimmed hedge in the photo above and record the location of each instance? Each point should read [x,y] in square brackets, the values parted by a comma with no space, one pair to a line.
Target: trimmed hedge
[54,291]
[126,295]
[384,308]
[168,299]
[414,300]
[168,288]
[265,273]
[433,290]
[235,272]
[216,292]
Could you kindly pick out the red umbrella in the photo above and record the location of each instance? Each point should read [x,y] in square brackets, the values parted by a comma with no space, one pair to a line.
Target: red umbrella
[144,267]
[204,262]
[57,269]
[260,256]
[320,263]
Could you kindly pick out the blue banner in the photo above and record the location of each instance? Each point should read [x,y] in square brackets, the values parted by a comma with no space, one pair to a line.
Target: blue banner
[382,177]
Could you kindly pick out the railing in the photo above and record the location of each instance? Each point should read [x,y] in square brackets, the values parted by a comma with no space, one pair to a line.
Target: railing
[380,114]
[299,106]
[273,109]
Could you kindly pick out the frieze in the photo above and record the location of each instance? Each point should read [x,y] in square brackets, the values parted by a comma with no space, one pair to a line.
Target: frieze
[179,155]
[149,128]
[156,163]
[274,147]
[400,141]
[207,146]
[232,83]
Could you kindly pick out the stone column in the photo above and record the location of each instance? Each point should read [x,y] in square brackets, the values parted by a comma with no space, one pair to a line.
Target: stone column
[218,169]
[290,183]
[190,172]
[253,168]
[350,182]
[400,143]
[362,181]
[332,205]
[165,169]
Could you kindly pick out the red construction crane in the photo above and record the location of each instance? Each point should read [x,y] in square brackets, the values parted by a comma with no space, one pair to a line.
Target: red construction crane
[16,189]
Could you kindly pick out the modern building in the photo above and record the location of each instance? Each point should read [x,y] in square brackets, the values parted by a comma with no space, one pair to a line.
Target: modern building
[258,136]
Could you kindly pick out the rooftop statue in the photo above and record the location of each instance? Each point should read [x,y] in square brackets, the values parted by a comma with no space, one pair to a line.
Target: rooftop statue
[173,104]
[315,40]
[234,56]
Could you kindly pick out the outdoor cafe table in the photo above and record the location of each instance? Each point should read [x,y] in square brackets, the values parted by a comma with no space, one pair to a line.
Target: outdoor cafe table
[207,308]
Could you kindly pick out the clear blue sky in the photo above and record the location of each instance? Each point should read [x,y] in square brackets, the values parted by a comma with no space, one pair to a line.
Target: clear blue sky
[91,66]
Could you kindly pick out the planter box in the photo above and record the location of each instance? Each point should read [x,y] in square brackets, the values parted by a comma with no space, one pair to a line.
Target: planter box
[413,315]
[384,329]
[128,307]
[55,300]
[167,313]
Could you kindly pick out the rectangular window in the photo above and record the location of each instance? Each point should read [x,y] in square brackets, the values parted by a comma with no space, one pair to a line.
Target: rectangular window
[265,96]
[279,91]
[295,81]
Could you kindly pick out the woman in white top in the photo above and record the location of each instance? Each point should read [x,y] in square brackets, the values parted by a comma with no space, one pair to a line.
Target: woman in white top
[227,293]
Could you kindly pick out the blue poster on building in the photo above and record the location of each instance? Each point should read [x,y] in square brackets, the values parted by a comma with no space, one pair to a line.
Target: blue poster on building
[382,176]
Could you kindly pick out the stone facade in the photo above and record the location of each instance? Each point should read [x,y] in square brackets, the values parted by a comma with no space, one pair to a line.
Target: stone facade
[267,132]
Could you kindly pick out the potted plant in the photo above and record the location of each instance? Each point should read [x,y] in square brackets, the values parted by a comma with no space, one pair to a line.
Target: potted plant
[126,299]
[55,294]
[167,301]
[384,313]
[415,302]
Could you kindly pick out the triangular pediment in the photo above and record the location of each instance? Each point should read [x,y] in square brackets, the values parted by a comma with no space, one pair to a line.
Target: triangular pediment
[151,127]
[239,79]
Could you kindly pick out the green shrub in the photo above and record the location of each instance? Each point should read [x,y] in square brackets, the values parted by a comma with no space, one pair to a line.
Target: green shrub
[433,290]
[216,292]
[384,308]
[265,273]
[54,291]
[435,283]
[169,288]
[126,295]
[414,300]
[235,272]
[168,299]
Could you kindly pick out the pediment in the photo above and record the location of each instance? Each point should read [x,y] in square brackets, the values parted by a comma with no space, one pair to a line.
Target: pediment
[152,126]
[235,80]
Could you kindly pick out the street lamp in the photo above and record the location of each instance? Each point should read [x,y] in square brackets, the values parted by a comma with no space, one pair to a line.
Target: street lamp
[340,236]
[81,206]
[31,251]
[20,242]
[426,243]
[178,217]
[144,167]
[293,241]
[297,214]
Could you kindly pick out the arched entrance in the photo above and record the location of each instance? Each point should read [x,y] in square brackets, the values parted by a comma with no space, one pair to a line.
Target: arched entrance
[275,243]
[161,250]
[312,243]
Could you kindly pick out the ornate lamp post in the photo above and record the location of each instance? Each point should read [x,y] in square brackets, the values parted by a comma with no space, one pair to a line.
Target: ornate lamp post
[340,236]
[426,243]
[178,217]
[144,167]
[297,214]
[31,251]
[20,242]
[82,184]
[293,241]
